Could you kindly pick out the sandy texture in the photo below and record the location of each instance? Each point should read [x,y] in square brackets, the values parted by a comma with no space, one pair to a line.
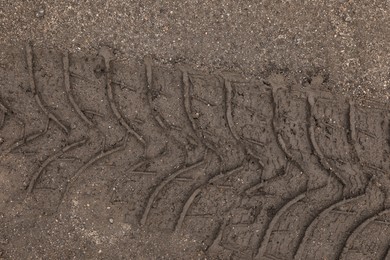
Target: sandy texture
[194,129]
[347,41]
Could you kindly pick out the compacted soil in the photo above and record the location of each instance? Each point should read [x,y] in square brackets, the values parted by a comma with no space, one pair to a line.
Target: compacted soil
[195,130]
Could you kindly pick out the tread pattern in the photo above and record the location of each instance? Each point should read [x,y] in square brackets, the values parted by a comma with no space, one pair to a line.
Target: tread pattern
[359,231]
[253,169]
[69,91]
[35,92]
[263,247]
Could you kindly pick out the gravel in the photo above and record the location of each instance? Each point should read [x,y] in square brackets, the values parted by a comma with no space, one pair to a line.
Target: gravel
[349,41]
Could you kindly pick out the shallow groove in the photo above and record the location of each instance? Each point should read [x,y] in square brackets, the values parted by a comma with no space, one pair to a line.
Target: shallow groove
[96,158]
[310,229]
[26,139]
[251,190]
[387,254]
[187,100]
[157,190]
[228,104]
[186,90]
[263,246]
[3,112]
[50,159]
[352,122]
[35,92]
[358,230]
[279,139]
[68,90]
[153,110]
[317,151]
[3,108]
[197,191]
[230,123]
[108,56]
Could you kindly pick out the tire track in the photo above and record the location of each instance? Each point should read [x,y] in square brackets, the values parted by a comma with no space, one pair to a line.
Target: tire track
[26,139]
[230,122]
[263,246]
[3,112]
[291,145]
[198,190]
[317,151]
[331,226]
[278,136]
[186,88]
[49,160]
[358,230]
[284,237]
[108,56]
[372,137]
[35,92]
[68,90]
[3,108]
[99,156]
[274,145]
[157,190]
[387,254]
[310,229]
[352,124]
[338,141]
[156,115]
[251,190]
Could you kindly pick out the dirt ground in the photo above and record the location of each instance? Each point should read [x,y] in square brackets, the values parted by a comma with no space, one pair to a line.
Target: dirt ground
[194,129]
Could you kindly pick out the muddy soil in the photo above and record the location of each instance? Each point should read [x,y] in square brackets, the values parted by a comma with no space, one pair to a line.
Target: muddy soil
[194,130]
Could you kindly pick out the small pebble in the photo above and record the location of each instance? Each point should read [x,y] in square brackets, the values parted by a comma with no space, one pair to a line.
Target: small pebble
[196,115]
[40,13]
[111,221]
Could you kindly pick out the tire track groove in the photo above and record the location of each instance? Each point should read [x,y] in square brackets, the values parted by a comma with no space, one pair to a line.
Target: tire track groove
[263,246]
[230,122]
[352,122]
[198,190]
[358,230]
[310,229]
[186,88]
[108,57]
[251,190]
[96,158]
[157,190]
[35,92]
[187,100]
[3,108]
[26,139]
[3,112]
[228,109]
[50,159]
[65,61]
[317,151]
[386,256]
[156,115]
[279,139]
